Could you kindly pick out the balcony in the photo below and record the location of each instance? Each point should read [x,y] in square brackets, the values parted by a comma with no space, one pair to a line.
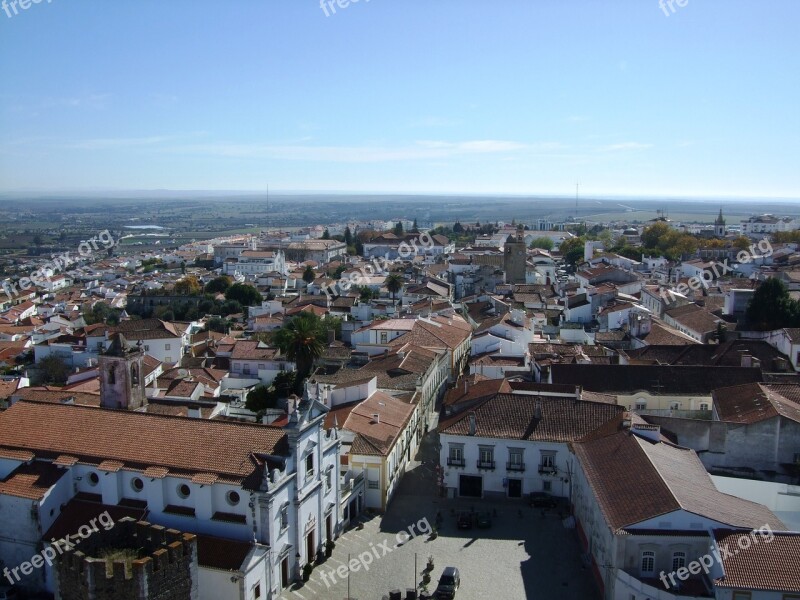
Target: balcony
[515,466]
[455,462]
[486,464]
[548,470]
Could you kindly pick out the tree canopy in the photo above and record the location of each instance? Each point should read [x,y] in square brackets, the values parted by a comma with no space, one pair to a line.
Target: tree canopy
[244,294]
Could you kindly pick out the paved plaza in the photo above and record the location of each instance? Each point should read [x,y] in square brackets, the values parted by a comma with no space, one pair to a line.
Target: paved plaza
[525,554]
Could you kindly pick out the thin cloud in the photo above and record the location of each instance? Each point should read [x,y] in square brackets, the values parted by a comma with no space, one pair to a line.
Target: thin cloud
[625,146]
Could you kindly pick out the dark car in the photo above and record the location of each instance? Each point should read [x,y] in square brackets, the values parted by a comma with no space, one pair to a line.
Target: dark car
[543,499]
[464,520]
[484,520]
[448,583]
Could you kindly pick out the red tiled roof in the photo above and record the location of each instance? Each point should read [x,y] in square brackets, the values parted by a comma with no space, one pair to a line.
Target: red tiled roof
[139,440]
[513,416]
[763,563]
[31,481]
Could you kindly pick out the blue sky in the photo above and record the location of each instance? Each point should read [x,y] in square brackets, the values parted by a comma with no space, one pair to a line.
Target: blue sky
[509,96]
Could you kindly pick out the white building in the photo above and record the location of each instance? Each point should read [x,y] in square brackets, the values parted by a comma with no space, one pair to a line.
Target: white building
[513,444]
[275,488]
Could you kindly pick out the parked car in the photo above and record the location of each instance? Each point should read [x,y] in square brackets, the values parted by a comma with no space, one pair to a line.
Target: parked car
[464,520]
[484,520]
[543,499]
[449,582]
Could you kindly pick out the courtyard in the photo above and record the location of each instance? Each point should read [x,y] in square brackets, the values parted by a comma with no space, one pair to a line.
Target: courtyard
[525,553]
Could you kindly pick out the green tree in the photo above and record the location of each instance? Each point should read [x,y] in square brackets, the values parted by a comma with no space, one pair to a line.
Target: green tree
[348,236]
[771,307]
[572,250]
[301,340]
[326,235]
[308,275]
[188,286]
[415,227]
[244,294]
[545,243]
[54,369]
[398,229]
[218,285]
[741,242]
[218,325]
[394,283]
[260,398]
[458,227]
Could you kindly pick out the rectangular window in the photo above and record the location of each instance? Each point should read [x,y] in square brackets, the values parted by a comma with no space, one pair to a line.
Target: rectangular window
[328,478]
[373,485]
[166,347]
[261,366]
[641,405]
[246,369]
[455,456]
[146,348]
[257,591]
[384,337]
[703,406]
[742,596]
[674,405]
[284,517]
[486,457]
[546,486]
[310,464]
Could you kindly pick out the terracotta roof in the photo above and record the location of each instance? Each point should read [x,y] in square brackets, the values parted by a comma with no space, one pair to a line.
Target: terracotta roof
[654,378]
[513,416]
[149,329]
[769,562]
[755,402]
[81,512]
[221,553]
[139,440]
[393,415]
[31,481]
[635,480]
[247,350]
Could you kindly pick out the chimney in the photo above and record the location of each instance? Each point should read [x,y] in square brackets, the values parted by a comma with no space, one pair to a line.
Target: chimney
[376,418]
[473,425]
[747,360]
[466,385]
[537,410]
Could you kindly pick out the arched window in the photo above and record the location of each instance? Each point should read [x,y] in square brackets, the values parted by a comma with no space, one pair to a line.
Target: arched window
[648,562]
[112,378]
[134,375]
[678,560]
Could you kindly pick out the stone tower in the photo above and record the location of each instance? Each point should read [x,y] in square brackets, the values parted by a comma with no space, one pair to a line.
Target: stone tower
[515,257]
[719,225]
[122,376]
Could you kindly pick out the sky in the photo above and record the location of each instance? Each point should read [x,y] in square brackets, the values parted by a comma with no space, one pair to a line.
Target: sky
[626,97]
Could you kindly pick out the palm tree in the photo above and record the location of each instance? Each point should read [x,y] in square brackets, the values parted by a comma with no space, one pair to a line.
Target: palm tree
[394,283]
[301,341]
